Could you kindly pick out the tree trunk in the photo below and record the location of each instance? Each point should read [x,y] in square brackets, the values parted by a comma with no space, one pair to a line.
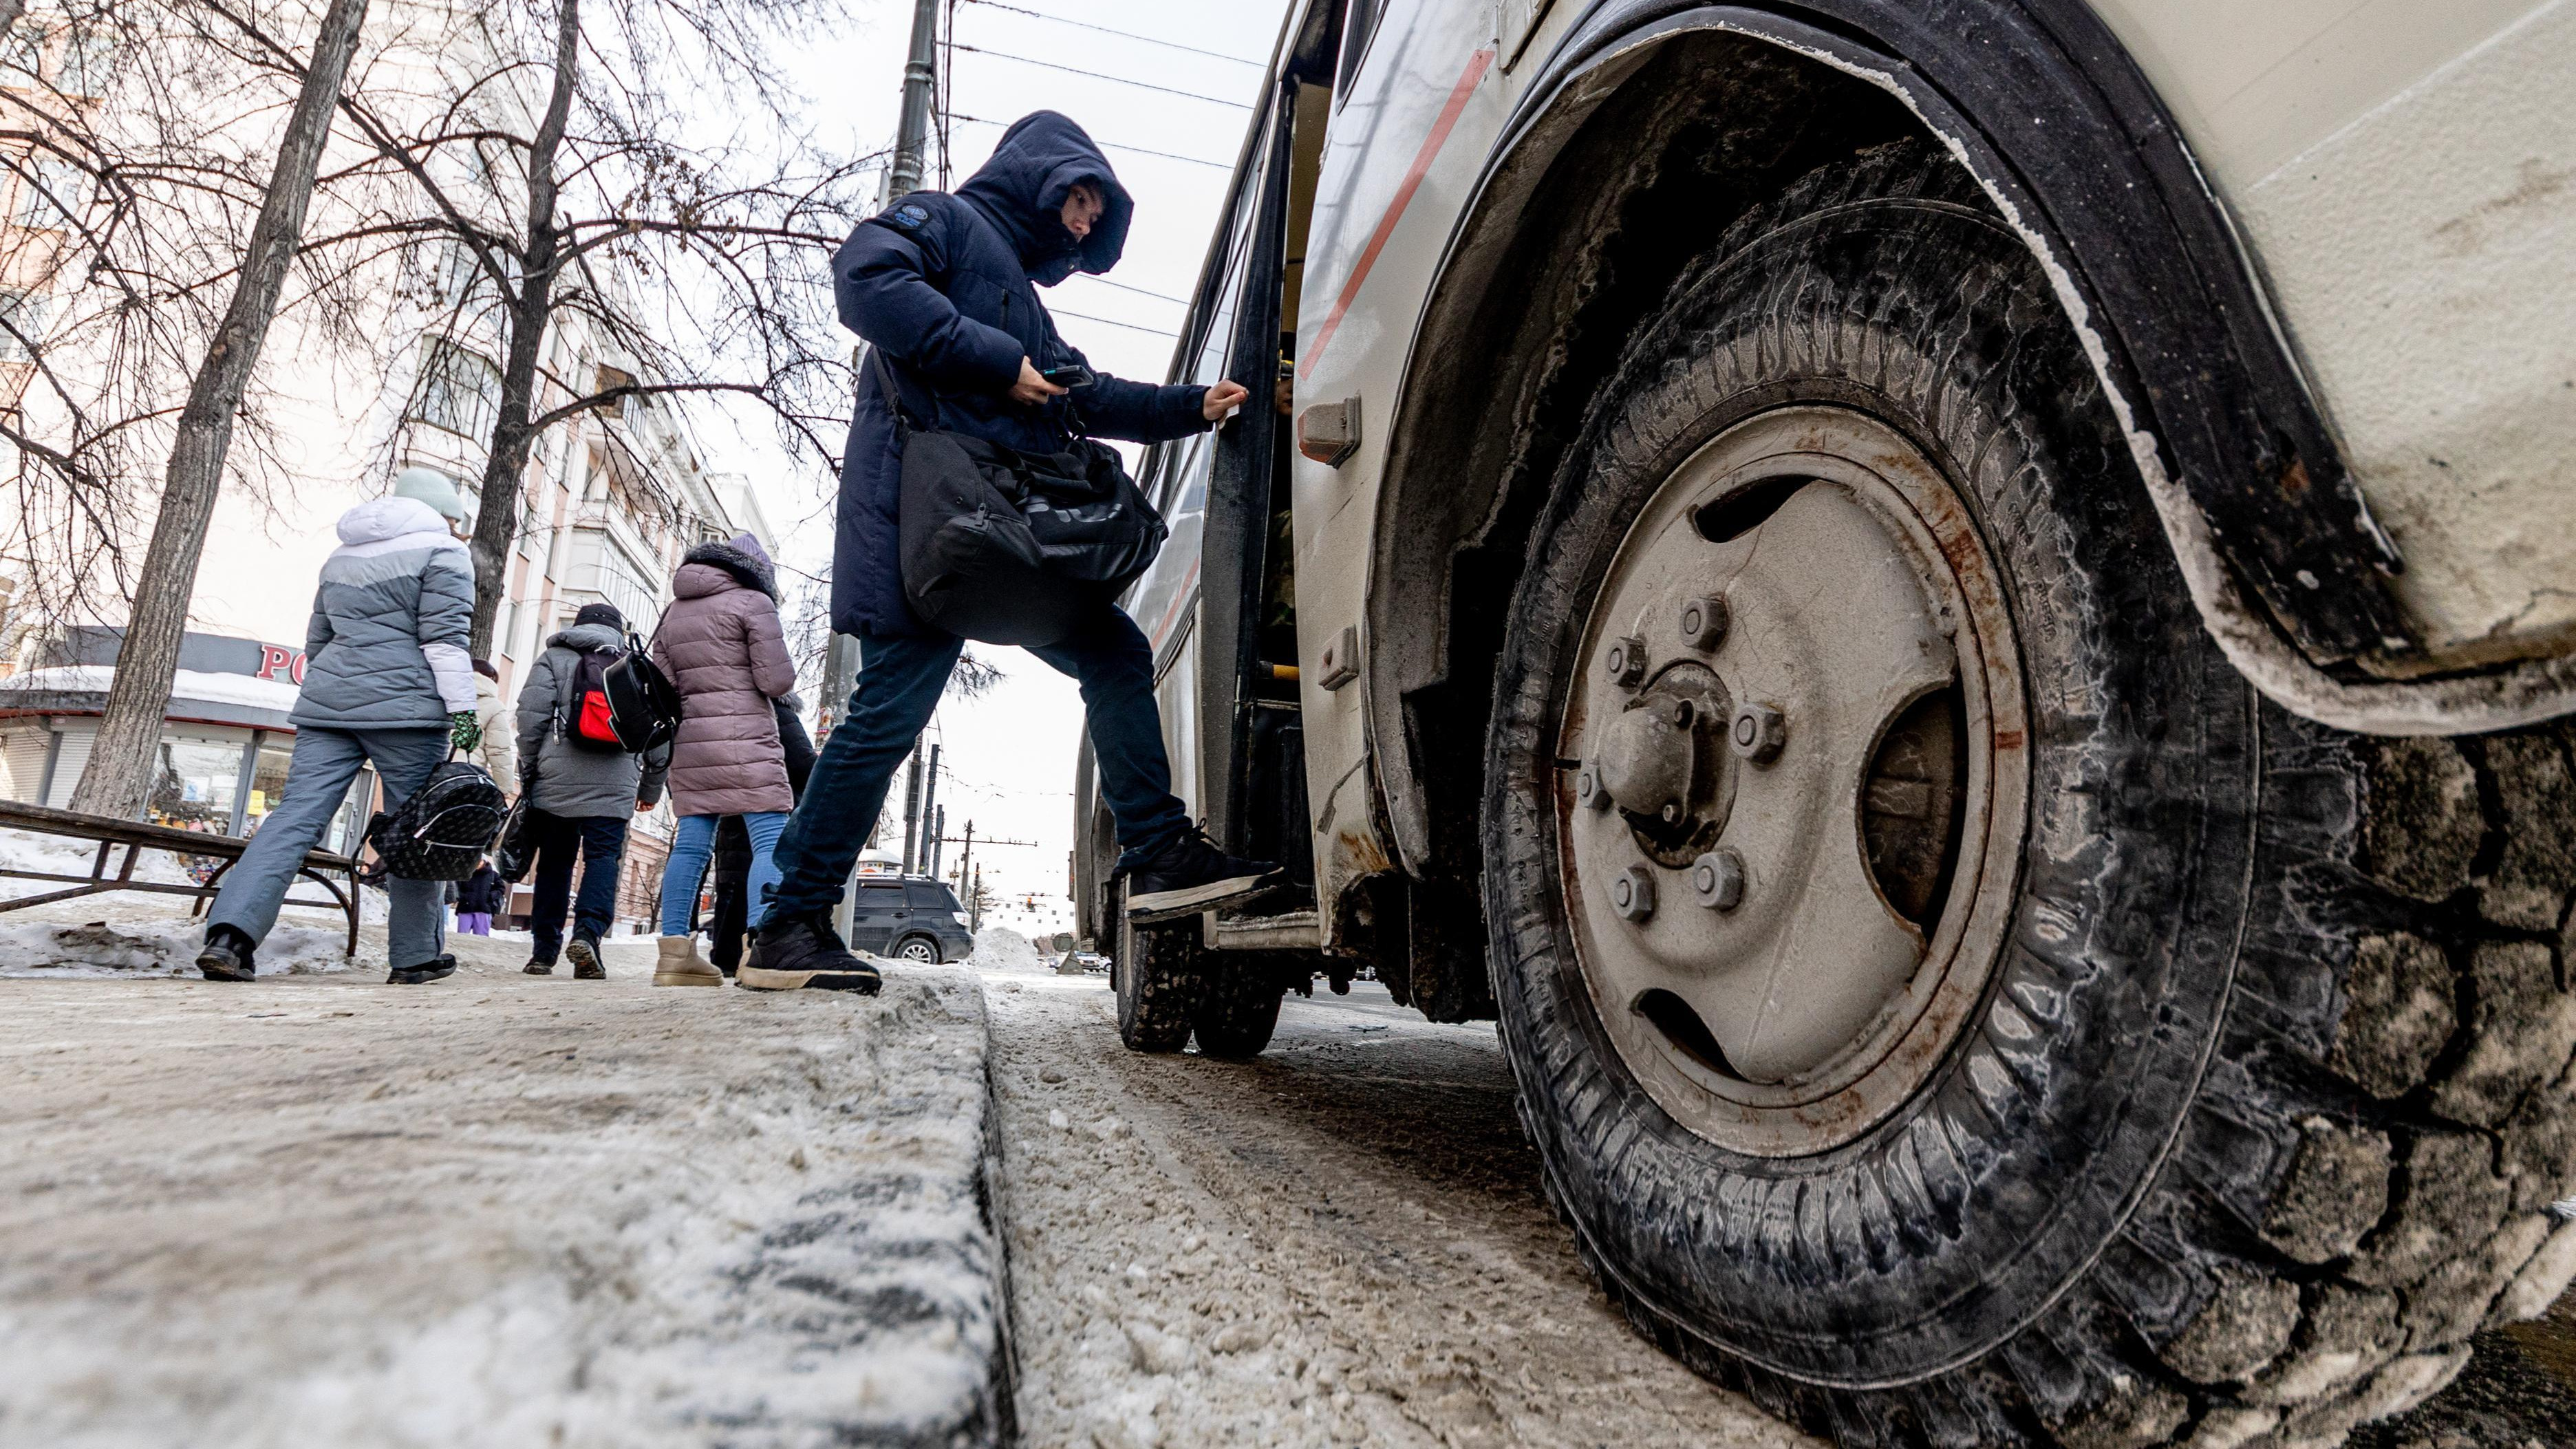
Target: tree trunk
[119,778]
[505,467]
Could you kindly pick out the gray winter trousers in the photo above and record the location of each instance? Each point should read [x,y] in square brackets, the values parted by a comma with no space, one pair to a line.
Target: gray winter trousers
[318,776]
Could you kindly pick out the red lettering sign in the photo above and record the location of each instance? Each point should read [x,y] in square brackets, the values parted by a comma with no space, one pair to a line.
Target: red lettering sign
[275,657]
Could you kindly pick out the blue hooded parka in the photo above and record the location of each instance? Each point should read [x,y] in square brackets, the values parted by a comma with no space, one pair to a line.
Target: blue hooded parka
[944,286]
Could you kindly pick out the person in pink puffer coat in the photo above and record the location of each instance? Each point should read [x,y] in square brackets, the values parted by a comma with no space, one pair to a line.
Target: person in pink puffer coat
[721,644]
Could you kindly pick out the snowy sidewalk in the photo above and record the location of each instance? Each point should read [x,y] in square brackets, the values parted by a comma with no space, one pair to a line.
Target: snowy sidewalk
[497,1210]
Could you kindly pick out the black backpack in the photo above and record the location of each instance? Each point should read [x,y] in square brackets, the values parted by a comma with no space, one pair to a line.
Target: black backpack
[1009,547]
[619,702]
[516,849]
[643,705]
[442,829]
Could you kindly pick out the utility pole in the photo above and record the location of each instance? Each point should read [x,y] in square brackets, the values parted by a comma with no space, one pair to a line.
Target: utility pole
[938,837]
[920,81]
[965,872]
[928,850]
[911,810]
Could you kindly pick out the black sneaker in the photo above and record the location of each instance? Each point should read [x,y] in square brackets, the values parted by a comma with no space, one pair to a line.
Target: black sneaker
[430,970]
[227,956]
[1189,875]
[539,968]
[804,953]
[583,953]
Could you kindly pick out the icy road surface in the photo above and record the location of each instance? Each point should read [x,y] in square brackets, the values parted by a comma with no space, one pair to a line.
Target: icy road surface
[496,1210]
[1339,1243]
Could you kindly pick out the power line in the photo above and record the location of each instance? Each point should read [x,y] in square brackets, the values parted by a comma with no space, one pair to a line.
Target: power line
[1100,75]
[1121,34]
[1110,145]
[1139,291]
[1109,322]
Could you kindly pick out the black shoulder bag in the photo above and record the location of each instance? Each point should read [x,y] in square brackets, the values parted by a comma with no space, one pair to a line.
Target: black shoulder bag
[1007,547]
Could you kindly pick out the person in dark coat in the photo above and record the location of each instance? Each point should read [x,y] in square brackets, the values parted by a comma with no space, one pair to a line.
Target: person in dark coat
[581,799]
[944,288]
[479,899]
[732,870]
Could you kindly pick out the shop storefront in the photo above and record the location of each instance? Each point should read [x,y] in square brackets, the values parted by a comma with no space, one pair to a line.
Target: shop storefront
[225,740]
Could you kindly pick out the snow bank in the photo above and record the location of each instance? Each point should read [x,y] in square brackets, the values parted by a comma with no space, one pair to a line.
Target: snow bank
[127,946]
[63,855]
[999,948]
[503,1210]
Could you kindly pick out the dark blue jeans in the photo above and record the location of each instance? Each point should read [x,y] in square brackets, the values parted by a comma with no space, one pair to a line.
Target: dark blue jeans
[600,843]
[900,681]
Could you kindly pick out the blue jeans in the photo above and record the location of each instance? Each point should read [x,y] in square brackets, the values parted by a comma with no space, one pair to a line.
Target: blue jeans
[694,844]
[318,776]
[600,843]
[900,681]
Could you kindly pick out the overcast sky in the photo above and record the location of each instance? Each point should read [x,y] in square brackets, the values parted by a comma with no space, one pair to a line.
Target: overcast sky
[1008,758]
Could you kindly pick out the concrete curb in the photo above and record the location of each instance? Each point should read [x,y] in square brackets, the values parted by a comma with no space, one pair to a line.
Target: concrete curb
[501,1209]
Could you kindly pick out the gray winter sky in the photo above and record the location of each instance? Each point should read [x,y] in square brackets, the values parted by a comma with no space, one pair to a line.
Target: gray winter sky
[1009,756]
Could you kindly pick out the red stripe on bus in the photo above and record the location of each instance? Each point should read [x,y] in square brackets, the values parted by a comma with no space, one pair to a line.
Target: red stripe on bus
[1440,129]
[1180,596]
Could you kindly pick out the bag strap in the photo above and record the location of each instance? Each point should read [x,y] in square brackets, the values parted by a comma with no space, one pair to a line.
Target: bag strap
[1074,425]
[893,397]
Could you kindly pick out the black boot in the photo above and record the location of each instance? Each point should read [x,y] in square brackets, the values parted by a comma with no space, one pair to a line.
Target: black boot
[1189,875]
[227,956]
[583,953]
[804,953]
[430,970]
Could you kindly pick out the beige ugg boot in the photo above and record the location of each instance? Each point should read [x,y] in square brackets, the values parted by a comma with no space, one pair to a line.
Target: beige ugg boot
[682,966]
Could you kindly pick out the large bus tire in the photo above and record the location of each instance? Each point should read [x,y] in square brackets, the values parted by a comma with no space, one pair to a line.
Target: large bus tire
[2068,1048]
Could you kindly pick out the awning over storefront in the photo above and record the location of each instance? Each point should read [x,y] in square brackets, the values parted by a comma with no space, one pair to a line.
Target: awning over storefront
[195,697]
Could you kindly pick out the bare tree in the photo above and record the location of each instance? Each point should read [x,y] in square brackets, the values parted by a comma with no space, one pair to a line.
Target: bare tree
[136,153]
[692,259]
[118,777]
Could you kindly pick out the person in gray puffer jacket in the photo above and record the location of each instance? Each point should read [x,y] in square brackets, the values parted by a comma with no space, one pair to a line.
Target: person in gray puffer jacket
[387,682]
[583,797]
[721,644]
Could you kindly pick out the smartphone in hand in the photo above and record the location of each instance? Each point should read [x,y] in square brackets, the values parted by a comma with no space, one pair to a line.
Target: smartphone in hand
[1069,375]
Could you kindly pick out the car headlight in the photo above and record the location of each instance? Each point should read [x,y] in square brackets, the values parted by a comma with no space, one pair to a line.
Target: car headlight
[960,916]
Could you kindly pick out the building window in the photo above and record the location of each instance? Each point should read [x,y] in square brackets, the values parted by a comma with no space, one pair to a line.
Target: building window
[267,781]
[88,62]
[22,324]
[459,391]
[195,784]
[83,67]
[50,192]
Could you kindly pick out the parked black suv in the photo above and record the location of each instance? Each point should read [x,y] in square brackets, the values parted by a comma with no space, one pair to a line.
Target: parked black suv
[912,918]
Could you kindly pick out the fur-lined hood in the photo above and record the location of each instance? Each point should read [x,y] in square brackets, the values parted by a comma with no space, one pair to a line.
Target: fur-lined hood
[746,566]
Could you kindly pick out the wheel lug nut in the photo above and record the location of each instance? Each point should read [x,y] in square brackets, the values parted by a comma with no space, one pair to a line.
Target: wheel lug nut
[1625,661]
[1717,879]
[1589,792]
[1704,623]
[1758,733]
[1672,813]
[1682,714]
[1632,895]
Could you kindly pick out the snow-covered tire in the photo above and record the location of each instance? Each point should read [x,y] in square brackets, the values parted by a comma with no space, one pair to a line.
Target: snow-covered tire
[2260,1111]
[1155,973]
[1238,1005]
